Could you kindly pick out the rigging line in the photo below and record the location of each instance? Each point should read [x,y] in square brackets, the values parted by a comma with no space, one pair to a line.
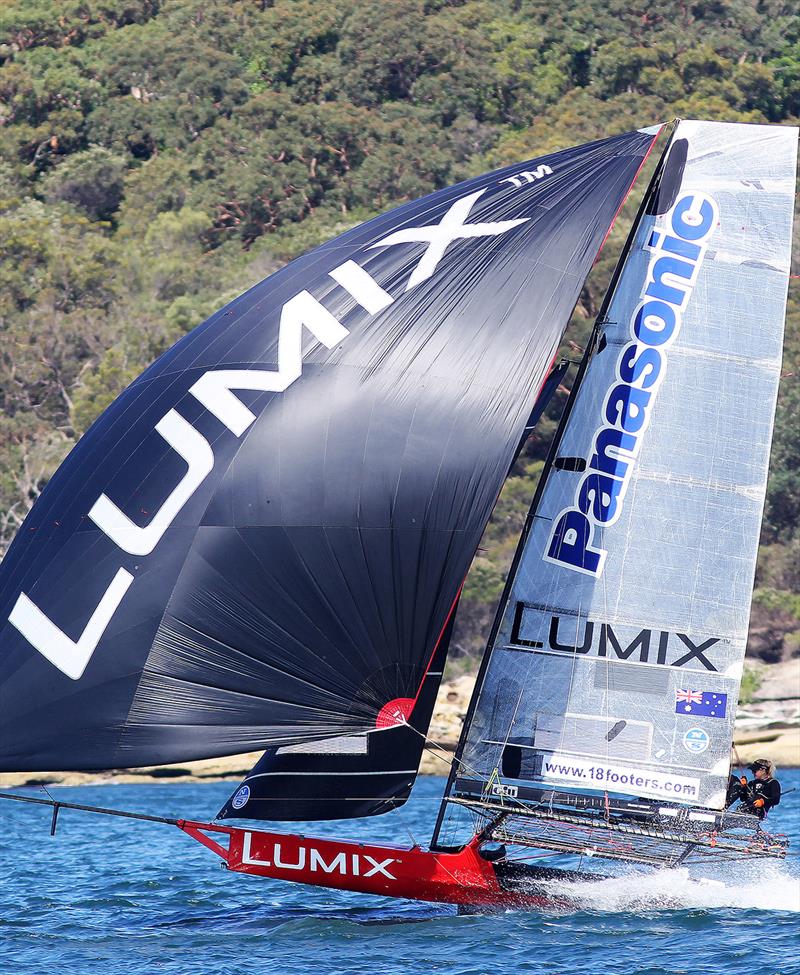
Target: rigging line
[633,182]
[508,588]
[436,645]
[511,723]
[320,800]
[47,792]
[392,803]
[591,350]
[338,772]
[573,667]
[450,759]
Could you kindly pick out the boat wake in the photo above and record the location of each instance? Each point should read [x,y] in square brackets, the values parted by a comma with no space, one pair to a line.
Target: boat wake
[769,888]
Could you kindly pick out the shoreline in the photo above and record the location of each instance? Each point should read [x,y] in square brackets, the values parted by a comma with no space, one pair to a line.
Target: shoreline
[769,725]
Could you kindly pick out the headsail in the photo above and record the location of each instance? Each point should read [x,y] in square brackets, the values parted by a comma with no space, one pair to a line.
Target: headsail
[260,542]
[616,663]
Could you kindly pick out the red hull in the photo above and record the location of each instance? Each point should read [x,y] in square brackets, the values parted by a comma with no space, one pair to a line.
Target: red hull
[463,877]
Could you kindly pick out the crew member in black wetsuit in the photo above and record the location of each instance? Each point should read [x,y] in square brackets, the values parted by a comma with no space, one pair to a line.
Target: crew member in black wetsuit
[760,794]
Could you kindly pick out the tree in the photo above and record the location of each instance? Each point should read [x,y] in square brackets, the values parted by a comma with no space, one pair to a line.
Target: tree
[157,158]
[92,180]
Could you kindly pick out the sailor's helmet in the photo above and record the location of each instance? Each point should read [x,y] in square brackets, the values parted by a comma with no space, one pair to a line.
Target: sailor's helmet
[764,764]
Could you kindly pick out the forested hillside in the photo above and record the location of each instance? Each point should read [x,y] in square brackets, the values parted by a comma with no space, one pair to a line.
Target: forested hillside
[159,156]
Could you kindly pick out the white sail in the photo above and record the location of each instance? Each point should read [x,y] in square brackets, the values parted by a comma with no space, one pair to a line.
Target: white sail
[617,663]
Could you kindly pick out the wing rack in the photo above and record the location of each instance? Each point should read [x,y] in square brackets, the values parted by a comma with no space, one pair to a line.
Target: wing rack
[643,831]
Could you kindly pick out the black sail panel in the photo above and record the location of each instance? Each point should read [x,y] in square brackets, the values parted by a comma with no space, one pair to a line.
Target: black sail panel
[348,776]
[549,388]
[259,542]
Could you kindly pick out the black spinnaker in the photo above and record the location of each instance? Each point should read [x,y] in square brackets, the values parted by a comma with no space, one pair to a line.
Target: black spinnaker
[260,543]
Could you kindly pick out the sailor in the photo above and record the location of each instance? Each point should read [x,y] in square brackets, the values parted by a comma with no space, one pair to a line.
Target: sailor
[760,794]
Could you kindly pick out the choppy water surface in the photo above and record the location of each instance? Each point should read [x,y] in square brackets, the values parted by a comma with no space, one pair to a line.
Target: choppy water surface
[109,896]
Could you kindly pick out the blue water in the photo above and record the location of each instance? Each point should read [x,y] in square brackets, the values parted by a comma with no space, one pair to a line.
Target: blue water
[109,896]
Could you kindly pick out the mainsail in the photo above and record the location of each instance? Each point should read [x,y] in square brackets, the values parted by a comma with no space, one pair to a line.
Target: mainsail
[261,542]
[615,662]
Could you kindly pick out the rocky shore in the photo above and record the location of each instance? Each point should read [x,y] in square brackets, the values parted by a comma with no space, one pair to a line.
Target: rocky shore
[768,726]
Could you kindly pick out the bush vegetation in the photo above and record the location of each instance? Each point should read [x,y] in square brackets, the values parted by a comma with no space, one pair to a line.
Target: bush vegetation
[159,156]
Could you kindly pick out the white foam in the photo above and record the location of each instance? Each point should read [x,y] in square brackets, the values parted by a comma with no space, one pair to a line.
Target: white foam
[769,887]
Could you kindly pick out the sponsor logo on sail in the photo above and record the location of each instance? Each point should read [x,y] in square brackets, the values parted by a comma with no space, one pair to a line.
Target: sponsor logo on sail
[677,254]
[528,176]
[241,797]
[216,391]
[696,740]
[645,646]
[594,773]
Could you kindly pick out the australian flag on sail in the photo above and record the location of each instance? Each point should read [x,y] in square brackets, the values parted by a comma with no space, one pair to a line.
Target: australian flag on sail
[706,704]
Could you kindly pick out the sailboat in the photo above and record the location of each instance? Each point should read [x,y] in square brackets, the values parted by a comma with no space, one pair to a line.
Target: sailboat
[262,542]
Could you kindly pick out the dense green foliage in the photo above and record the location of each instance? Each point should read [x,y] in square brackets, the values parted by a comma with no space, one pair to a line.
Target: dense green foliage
[752,678]
[158,156]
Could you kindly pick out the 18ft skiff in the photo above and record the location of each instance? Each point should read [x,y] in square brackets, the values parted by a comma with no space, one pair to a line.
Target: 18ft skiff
[261,543]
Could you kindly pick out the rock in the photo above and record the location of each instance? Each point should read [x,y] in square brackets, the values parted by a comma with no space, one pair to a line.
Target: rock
[234,767]
[782,746]
[779,682]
